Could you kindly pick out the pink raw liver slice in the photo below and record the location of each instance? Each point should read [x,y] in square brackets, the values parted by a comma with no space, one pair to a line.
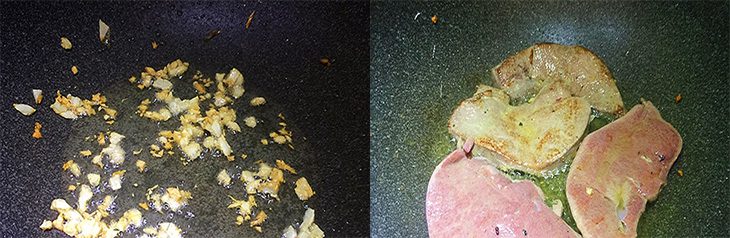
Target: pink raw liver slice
[470,198]
[618,168]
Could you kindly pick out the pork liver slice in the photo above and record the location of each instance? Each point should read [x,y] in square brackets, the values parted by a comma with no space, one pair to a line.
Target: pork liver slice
[470,198]
[618,168]
[527,71]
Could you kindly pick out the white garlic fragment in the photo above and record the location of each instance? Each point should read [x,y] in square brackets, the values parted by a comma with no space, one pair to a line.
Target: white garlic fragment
[25,109]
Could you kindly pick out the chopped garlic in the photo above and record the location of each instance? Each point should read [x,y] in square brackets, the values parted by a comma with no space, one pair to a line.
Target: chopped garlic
[223,178]
[279,139]
[85,195]
[46,225]
[162,84]
[134,217]
[224,146]
[258,101]
[73,167]
[115,181]
[168,230]
[245,208]
[74,70]
[589,191]
[234,81]
[97,160]
[37,130]
[140,165]
[175,199]
[247,176]
[264,170]
[303,190]
[60,205]
[94,179]
[282,165]
[103,32]
[114,150]
[260,218]
[101,138]
[85,152]
[38,96]
[250,121]
[65,43]
[307,228]
[25,109]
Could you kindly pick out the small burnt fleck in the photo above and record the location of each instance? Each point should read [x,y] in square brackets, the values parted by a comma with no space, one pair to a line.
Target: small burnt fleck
[524,232]
[661,156]
[520,123]
[496,230]
[212,34]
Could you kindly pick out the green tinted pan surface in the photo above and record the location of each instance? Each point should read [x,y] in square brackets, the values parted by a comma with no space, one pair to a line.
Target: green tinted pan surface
[421,71]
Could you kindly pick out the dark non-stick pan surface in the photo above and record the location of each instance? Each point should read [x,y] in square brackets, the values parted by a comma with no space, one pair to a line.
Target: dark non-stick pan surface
[655,50]
[279,55]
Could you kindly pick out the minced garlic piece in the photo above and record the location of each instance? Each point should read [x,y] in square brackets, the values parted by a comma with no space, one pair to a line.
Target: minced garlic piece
[74,70]
[175,198]
[25,109]
[264,141]
[140,165]
[101,138]
[239,220]
[115,181]
[257,101]
[589,191]
[282,165]
[103,32]
[73,167]
[71,107]
[37,130]
[223,178]
[163,84]
[46,225]
[114,150]
[250,121]
[94,179]
[307,228]
[133,216]
[199,87]
[38,96]
[65,43]
[161,115]
[245,208]
[97,160]
[144,206]
[71,188]
[303,190]
[279,139]
[168,230]
[260,218]
[85,152]
[85,195]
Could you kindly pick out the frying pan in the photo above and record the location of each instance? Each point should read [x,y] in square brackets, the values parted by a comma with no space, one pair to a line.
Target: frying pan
[279,56]
[655,50]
